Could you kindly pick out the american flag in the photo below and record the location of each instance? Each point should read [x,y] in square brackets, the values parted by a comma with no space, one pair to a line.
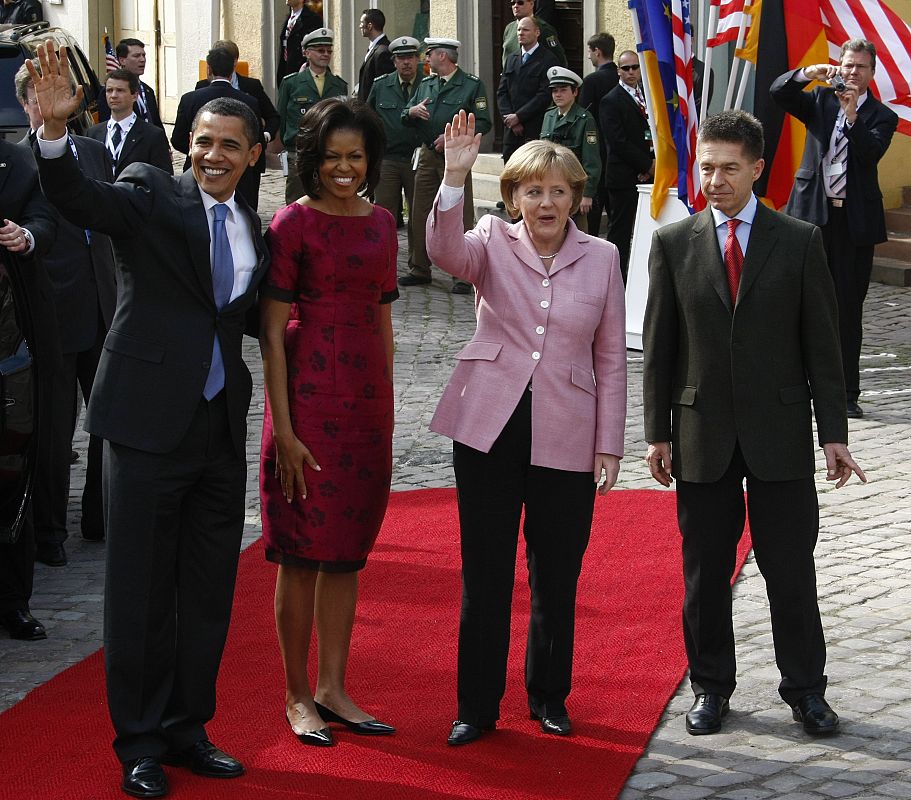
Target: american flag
[730,16]
[110,59]
[874,20]
[685,136]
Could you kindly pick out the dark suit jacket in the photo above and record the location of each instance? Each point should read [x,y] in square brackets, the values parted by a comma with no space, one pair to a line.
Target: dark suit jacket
[713,377]
[22,13]
[144,144]
[157,353]
[81,273]
[191,102]
[624,128]
[378,62]
[868,140]
[253,87]
[524,89]
[306,22]
[104,113]
[596,85]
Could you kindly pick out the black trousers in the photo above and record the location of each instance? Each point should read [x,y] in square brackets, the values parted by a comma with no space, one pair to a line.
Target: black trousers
[17,568]
[600,205]
[493,488]
[850,267]
[174,525]
[784,524]
[623,204]
[52,492]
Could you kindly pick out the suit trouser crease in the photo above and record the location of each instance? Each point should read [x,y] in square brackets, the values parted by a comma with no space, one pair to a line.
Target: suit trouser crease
[174,525]
[850,267]
[427,180]
[623,205]
[784,524]
[492,489]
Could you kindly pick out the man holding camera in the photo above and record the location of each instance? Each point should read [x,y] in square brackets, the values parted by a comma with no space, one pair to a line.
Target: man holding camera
[837,186]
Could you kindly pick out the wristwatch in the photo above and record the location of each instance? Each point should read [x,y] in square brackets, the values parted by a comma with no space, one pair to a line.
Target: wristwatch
[29,239]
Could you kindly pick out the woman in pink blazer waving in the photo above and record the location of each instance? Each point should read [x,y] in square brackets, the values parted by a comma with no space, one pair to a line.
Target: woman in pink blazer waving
[536,409]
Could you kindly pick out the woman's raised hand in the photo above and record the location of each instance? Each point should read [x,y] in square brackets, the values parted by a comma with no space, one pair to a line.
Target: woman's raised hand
[54,89]
[460,146]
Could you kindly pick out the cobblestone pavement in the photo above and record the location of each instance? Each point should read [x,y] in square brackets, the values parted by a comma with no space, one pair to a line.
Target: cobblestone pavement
[863,559]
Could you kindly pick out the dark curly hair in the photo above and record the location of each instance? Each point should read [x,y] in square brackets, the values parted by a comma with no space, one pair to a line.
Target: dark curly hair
[326,117]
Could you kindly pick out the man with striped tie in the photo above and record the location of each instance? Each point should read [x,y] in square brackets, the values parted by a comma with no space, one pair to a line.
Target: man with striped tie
[131,53]
[837,186]
[129,138]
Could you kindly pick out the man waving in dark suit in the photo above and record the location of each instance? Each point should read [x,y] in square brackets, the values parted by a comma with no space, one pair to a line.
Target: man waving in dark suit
[837,186]
[170,400]
[127,137]
[740,333]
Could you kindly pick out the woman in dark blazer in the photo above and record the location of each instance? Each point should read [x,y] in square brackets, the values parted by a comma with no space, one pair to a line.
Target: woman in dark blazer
[536,409]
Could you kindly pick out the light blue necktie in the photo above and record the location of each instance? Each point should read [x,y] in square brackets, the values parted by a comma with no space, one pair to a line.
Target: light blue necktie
[222,286]
[525,57]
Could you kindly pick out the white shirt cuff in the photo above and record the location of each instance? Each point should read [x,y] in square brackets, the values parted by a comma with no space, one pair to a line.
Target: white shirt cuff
[51,148]
[450,196]
[802,76]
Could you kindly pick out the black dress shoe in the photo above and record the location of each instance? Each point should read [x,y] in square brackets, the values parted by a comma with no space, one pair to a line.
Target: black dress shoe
[370,727]
[204,758]
[463,733]
[461,287]
[144,777]
[413,279]
[51,554]
[558,726]
[320,738]
[706,714]
[854,410]
[816,714]
[93,534]
[22,625]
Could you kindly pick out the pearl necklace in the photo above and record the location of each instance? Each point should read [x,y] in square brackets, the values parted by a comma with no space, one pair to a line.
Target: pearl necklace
[552,255]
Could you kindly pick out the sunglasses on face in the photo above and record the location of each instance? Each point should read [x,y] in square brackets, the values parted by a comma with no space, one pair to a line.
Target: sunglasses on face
[629,67]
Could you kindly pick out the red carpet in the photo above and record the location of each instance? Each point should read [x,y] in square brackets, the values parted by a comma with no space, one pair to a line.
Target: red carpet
[629,660]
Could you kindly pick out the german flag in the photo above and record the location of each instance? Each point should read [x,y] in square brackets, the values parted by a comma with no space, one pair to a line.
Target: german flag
[789,34]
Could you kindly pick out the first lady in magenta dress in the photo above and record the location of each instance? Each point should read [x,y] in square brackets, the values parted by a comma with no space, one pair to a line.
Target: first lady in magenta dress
[327,437]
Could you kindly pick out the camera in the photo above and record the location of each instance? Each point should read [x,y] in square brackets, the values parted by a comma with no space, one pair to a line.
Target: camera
[837,83]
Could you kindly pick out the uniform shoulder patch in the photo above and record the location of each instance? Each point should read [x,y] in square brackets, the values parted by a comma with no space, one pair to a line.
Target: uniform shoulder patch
[552,42]
[471,77]
[480,102]
[591,137]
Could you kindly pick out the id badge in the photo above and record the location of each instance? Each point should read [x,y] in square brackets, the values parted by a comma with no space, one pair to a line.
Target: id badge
[835,168]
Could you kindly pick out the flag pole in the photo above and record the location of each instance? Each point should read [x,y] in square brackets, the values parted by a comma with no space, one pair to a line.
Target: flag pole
[735,62]
[643,73]
[707,59]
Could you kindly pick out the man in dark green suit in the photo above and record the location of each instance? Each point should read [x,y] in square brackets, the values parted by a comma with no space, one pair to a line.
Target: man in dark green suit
[740,332]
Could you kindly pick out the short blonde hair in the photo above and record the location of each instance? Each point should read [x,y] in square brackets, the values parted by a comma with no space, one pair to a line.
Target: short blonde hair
[532,161]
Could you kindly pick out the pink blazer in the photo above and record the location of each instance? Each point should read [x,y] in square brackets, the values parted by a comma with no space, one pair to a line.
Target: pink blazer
[565,332]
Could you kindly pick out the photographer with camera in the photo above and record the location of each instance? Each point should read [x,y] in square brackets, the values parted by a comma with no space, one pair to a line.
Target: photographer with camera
[837,186]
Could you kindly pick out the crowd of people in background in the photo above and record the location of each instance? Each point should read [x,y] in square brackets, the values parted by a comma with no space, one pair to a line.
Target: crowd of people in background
[150,281]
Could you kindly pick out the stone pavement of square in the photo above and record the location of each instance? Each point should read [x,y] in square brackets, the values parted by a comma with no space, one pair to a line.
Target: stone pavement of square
[863,565]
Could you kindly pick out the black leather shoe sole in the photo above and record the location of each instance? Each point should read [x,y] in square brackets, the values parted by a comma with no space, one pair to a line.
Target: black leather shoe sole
[370,727]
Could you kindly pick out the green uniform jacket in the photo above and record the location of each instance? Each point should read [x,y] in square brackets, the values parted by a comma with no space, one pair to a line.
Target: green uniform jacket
[462,90]
[576,130]
[297,93]
[387,100]
[548,38]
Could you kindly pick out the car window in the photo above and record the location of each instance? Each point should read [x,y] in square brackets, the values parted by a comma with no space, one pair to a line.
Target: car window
[11,113]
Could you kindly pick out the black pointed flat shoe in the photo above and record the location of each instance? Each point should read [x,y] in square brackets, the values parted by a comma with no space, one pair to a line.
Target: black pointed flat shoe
[370,727]
[319,738]
[558,726]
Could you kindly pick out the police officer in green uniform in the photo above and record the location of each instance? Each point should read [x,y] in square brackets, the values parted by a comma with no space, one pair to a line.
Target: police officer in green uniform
[439,97]
[388,97]
[549,38]
[300,91]
[572,126]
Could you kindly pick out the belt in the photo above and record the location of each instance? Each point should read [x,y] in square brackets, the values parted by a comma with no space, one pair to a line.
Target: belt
[836,202]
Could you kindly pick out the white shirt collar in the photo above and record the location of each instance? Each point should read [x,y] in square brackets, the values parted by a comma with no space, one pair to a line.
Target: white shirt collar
[210,202]
[532,49]
[746,214]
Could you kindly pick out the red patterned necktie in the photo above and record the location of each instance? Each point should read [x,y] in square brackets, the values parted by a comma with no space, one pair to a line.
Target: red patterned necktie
[733,259]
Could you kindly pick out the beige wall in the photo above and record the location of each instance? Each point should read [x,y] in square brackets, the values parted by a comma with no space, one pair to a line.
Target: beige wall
[242,23]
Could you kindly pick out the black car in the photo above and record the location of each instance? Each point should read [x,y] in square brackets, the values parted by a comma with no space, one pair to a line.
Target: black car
[19,42]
